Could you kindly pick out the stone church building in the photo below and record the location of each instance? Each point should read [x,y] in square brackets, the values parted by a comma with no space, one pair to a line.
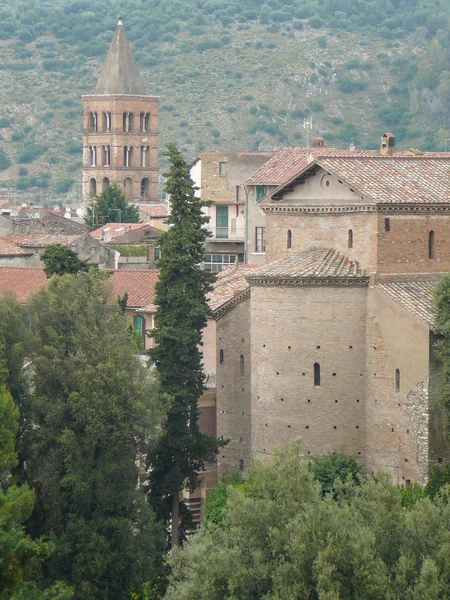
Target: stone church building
[332,339]
[120,139]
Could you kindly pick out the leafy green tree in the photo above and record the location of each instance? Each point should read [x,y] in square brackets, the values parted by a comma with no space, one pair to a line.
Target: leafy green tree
[60,260]
[442,328]
[111,206]
[180,318]
[95,408]
[282,539]
[327,469]
[20,556]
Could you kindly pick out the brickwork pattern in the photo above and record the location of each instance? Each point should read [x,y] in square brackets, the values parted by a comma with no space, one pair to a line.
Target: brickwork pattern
[329,230]
[117,139]
[233,389]
[301,327]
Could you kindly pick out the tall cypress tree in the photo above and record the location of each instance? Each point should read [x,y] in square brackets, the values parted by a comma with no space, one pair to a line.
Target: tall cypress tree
[180,318]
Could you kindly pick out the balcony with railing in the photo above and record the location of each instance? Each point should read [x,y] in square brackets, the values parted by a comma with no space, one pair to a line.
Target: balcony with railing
[227,234]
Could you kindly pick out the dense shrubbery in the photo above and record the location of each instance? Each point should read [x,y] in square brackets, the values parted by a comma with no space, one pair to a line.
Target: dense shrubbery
[290,531]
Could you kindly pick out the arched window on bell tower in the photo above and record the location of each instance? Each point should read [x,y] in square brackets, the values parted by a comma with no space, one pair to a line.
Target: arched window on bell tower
[126,122]
[106,156]
[144,122]
[145,187]
[93,122]
[93,155]
[128,156]
[92,187]
[107,122]
[128,185]
[145,156]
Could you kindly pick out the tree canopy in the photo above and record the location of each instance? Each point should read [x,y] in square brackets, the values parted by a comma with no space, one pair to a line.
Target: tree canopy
[95,408]
[442,328]
[111,206]
[60,260]
[282,539]
[179,320]
[20,556]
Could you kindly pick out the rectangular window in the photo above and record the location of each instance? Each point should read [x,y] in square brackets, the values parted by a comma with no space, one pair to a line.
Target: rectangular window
[260,239]
[157,252]
[216,262]
[139,324]
[261,192]
[222,222]
[223,169]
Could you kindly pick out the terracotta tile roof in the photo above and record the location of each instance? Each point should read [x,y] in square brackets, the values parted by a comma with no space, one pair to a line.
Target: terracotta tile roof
[115,230]
[139,285]
[230,283]
[21,282]
[7,248]
[155,210]
[396,179]
[281,167]
[414,296]
[41,241]
[287,163]
[312,263]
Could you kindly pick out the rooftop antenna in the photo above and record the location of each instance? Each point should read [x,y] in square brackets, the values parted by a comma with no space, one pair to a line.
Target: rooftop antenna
[307,126]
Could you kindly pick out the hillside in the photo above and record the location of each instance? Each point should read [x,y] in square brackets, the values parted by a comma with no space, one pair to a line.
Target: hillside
[229,76]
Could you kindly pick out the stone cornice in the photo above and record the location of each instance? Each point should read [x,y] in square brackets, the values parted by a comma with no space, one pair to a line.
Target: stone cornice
[225,308]
[280,281]
[385,209]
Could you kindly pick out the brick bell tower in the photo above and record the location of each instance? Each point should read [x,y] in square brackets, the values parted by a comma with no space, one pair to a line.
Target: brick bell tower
[120,138]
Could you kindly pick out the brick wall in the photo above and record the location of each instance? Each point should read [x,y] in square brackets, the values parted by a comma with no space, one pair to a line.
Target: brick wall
[405,247]
[330,231]
[117,139]
[233,389]
[291,329]
[397,423]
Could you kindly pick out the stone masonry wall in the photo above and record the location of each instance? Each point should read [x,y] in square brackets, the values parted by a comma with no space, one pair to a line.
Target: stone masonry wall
[233,389]
[396,422]
[291,330]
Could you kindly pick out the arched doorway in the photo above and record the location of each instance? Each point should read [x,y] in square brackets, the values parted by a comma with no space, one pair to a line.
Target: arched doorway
[93,187]
[145,187]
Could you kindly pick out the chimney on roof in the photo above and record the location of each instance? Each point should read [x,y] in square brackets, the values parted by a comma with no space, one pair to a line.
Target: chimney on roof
[387,144]
[318,143]
[352,144]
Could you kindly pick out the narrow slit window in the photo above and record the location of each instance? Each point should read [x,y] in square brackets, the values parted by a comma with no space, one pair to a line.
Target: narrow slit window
[387,224]
[221,356]
[397,380]
[316,375]
[289,238]
[241,365]
[431,245]
[350,238]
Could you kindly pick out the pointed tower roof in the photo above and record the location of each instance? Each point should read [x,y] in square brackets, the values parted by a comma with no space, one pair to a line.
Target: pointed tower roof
[120,75]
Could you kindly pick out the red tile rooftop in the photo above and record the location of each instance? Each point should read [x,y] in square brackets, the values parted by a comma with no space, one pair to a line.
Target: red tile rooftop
[155,210]
[21,282]
[8,249]
[230,283]
[139,285]
[314,262]
[114,230]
